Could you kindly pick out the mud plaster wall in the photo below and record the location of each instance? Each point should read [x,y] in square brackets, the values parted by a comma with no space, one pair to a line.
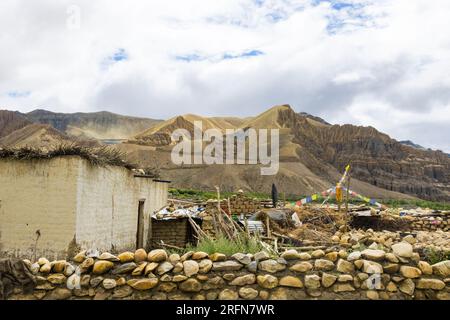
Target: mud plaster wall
[73,205]
[37,195]
[107,212]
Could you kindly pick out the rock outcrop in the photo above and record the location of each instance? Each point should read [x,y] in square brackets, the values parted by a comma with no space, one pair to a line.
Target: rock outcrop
[375,157]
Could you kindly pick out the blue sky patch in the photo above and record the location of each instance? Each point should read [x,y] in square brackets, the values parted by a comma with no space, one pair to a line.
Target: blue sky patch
[120,55]
[275,16]
[189,57]
[345,16]
[245,54]
[258,3]
[18,94]
[194,57]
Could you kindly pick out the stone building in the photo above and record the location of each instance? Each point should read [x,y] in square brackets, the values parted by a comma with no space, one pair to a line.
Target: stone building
[55,207]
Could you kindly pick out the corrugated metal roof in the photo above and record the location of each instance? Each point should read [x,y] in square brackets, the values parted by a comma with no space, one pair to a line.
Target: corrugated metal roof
[254,226]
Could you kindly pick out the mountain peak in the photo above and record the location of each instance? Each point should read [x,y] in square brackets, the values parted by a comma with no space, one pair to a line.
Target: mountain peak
[269,118]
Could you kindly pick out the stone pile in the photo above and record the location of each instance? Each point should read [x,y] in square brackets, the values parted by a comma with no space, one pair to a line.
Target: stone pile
[438,240]
[355,239]
[208,221]
[321,274]
[431,223]
[242,204]
[239,203]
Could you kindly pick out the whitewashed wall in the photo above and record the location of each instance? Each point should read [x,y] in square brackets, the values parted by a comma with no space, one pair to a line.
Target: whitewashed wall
[37,195]
[107,211]
[73,204]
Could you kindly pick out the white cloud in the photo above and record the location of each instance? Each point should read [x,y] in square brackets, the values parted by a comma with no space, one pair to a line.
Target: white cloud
[372,62]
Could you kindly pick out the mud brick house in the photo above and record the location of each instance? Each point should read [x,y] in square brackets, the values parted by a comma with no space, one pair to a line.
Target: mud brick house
[58,206]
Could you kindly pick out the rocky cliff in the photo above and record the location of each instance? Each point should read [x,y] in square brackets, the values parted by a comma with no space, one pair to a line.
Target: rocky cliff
[313,154]
[375,157]
[11,121]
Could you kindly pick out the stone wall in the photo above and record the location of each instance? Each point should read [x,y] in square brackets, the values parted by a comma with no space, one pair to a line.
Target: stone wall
[328,274]
[176,232]
[431,223]
[239,203]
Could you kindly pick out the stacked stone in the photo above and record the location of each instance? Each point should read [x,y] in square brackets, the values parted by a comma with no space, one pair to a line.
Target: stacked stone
[431,223]
[173,232]
[266,203]
[354,239]
[239,203]
[319,274]
[207,217]
[211,204]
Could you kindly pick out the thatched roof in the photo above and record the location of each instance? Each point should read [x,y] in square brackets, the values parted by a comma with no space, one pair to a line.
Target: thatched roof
[99,156]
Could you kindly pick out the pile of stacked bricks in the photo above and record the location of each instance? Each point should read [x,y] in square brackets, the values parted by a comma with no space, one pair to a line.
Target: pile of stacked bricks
[207,218]
[239,203]
[176,232]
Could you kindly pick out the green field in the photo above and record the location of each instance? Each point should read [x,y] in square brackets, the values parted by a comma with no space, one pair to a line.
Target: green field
[205,195]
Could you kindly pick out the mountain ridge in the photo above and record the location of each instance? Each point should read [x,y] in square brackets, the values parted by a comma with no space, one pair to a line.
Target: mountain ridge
[313,152]
[325,149]
[94,125]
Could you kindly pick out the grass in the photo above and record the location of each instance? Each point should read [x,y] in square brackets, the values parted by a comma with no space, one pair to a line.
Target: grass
[241,243]
[417,203]
[205,195]
[434,256]
[100,156]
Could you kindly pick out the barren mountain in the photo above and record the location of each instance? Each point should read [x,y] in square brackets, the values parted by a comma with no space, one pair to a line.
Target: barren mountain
[375,157]
[35,135]
[11,121]
[96,125]
[313,154]
[159,135]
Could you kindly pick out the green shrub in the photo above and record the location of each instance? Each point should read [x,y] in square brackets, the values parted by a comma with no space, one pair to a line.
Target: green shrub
[241,243]
[433,255]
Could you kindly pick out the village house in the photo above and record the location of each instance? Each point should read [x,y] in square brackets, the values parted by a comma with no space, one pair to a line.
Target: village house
[55,207]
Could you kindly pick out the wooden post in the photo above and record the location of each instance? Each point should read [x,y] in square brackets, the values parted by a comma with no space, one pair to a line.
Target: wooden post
[247,230]
[347,194]
[217,215]
[338,196]
[269,234]
[218,198]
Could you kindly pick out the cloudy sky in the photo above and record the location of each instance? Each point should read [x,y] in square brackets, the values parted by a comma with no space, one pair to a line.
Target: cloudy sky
[384,63]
